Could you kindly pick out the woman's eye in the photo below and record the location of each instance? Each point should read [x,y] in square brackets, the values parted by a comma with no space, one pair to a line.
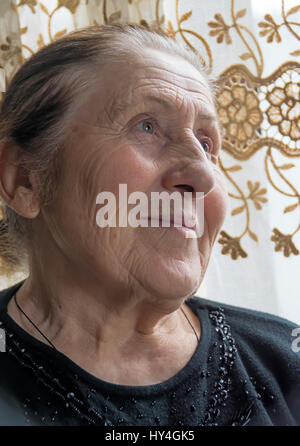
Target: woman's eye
[209,148]
[148,130]
[146,126]
[206,145]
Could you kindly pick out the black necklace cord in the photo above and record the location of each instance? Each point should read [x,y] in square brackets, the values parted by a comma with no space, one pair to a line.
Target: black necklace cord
[190,324]
[35,326]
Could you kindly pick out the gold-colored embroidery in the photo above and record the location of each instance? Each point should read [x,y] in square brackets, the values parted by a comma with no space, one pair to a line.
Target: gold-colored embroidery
[72,5]
[285,239]
[231,246]
[114,17]
[239,112]
[284,109]
[270,29]
[221,29]
[185,31]
[30,3]
[284,242]
[288,24]
[295,53]
[255,194]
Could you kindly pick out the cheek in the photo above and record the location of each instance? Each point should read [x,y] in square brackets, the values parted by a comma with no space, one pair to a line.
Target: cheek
[129,166]
[121,164]
[215,207]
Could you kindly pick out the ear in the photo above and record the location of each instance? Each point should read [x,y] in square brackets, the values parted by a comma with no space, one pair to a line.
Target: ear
[17,185]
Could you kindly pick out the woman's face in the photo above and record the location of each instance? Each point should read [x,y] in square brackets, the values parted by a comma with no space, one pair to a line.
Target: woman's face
[148,124]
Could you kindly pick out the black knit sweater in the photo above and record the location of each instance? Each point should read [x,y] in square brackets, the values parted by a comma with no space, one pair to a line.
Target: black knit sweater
[245,371]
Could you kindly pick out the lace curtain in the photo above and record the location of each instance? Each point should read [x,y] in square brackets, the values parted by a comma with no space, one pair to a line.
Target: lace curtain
[253,47]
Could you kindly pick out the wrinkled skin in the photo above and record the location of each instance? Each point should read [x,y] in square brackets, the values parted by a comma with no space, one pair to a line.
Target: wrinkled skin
[119,290]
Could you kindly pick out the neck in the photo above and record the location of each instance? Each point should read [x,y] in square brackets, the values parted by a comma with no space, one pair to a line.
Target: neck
[74,314]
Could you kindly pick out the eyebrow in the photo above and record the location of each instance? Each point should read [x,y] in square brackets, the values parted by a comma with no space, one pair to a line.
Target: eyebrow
[122,107]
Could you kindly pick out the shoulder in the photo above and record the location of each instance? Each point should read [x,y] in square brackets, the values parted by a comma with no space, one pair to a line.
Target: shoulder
[253,325]
[268,349]
[7,293]
[269,337]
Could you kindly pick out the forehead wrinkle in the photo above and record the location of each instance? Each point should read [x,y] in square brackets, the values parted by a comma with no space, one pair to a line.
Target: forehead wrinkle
[169,105]
[199,86]
[173,87]
[165,103]
[160,68]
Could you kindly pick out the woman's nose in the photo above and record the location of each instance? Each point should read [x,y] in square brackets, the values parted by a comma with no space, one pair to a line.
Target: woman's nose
[197,176]
[191,170]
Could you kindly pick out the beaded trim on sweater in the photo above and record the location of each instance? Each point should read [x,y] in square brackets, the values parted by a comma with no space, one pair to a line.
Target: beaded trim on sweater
[67,399]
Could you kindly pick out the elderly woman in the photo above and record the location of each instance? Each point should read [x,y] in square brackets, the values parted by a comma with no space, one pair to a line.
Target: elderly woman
[106,329]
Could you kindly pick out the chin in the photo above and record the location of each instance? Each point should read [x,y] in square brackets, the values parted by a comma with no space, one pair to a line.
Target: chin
[180,279]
